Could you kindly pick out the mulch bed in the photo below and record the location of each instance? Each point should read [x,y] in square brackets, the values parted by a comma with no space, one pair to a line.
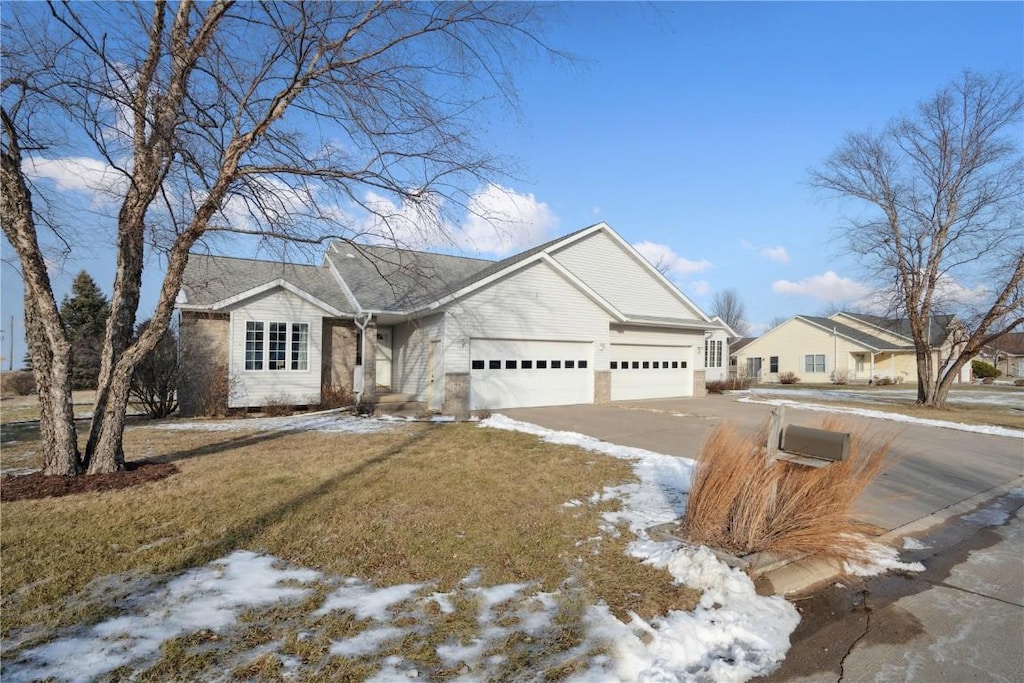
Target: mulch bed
[36,485]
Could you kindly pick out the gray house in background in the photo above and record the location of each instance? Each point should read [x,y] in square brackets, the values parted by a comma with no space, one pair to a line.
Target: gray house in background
[581,319]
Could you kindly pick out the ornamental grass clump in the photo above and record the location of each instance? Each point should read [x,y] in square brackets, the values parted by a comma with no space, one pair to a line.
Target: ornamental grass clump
[741,504]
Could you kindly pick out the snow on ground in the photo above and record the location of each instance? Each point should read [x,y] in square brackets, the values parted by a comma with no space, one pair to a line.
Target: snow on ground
[332,421]
[880,559]
[732,635]
[1000,398]
[882,415]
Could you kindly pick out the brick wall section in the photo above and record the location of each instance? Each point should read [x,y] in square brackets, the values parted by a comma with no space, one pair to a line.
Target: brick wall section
[204,383]
[602,386]
[456,395]
[699,384]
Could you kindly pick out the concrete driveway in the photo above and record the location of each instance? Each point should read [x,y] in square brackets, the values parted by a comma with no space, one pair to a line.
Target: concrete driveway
[931,469]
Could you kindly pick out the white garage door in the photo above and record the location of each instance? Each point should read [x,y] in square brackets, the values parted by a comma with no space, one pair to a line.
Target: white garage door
[644,371]
[516,373]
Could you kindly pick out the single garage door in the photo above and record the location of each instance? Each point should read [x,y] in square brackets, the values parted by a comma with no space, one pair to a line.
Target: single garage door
[518,373]
[646,371]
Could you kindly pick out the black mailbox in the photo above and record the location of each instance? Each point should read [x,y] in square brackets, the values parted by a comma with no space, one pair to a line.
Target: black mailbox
[815,443]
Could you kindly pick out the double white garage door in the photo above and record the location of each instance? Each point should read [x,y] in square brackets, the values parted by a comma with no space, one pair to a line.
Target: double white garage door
[643,371]
[506,373]
[510,373]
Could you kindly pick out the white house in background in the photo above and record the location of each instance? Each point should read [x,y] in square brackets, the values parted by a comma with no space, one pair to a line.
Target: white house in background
[849,346]
[716,350]
[581,319]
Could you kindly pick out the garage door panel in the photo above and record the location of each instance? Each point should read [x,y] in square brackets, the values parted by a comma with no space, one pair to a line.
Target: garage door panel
[508,373]
[647,371]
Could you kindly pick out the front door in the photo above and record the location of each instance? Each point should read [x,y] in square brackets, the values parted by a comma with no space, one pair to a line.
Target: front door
[384,357]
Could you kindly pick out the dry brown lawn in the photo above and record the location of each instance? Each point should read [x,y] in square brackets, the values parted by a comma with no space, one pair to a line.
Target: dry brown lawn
[422,503]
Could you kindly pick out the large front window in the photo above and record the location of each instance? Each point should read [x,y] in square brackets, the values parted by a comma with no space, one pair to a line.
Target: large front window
[713,353]
[253,345]
[814,362]
[284,346]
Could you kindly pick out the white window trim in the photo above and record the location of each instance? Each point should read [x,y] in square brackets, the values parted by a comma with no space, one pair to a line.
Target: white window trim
[290,330]
[814,363]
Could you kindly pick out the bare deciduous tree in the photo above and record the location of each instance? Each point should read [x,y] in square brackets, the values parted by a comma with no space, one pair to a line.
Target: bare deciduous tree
[726,305]
[946,186]
[268,119]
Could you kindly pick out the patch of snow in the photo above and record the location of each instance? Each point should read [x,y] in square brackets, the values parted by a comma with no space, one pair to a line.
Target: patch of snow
[19,471]
[367,642]
[894,417]
[913,544]
[880,559]
[209,597]
[329,421]
[987,517]
[367,602]
[733,635]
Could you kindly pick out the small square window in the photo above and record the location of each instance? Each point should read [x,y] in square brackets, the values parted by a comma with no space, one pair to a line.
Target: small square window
[556,365]
[510,365]
[570,364]
[682,364]
[494,365]
[664,363]
[542,365]
[647,365]
[636,365]
[625,365]
[526,365]
[614,364]
[478,365]
[675,364]
[581,364]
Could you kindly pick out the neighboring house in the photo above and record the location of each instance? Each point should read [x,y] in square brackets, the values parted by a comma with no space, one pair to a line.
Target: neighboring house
[846,347]
[734,349]
[716,350]
[1007,354]
[581,319]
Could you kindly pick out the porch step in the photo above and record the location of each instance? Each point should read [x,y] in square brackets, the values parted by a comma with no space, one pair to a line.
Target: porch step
[400,405]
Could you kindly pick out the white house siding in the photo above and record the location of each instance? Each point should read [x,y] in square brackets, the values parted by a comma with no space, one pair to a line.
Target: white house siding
[714,374]
[411,350]
[619,278]
[535,303]
[259,387]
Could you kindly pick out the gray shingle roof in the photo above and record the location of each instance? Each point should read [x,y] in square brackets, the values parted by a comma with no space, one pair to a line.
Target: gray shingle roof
[853,333]
[940,327]
[209,279]
[392,279]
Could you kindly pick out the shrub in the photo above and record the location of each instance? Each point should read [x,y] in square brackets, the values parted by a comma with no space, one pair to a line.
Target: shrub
[18,383]
[335,396]
[280,405]
[716,386]
[884,381]
[788,378]
[840,376]
[988,380]
[742,505]
[981,369]
[1018,382]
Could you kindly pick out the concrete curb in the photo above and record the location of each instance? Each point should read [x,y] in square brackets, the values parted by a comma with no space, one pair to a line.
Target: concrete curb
[801,576]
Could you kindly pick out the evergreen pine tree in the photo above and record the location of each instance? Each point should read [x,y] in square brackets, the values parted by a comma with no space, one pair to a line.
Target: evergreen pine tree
[84,314]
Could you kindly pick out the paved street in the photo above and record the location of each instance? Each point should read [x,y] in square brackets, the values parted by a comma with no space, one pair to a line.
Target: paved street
[958,494]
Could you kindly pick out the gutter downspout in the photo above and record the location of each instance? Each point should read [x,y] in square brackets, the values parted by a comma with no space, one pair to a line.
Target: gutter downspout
[362,319]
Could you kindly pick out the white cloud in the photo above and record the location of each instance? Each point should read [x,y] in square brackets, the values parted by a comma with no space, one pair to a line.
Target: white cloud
[699,287]
[778,254]
[502,221]
[498,221]
[828,287]
[949,291]
[746,244]
[79,174]
[668,261]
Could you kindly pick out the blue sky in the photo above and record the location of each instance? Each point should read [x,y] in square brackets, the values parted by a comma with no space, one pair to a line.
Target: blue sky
[692,126]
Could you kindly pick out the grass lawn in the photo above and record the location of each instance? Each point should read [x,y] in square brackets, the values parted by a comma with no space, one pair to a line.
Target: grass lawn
[449,505]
